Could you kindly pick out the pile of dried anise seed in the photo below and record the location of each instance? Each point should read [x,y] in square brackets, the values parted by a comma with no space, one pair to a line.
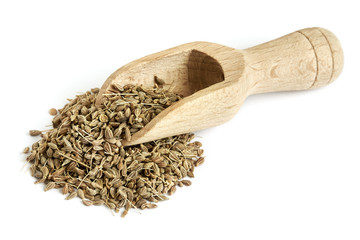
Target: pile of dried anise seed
[83,156]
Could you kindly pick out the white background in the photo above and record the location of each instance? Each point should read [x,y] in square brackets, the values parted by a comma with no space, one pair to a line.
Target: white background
[286,167]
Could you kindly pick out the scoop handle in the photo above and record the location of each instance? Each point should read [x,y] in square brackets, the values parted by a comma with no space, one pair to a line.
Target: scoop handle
[305,59]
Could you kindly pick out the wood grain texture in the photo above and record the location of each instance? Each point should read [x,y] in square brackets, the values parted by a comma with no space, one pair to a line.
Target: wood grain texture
[215,79]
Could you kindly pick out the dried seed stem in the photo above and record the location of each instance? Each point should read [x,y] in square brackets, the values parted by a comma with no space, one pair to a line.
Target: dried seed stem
[83,164]
[154,191]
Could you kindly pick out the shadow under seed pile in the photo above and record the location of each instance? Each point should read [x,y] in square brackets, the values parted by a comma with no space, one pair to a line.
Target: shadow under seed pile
[83,155]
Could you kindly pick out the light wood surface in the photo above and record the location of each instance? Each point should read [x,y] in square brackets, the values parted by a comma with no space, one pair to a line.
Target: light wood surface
[215,80]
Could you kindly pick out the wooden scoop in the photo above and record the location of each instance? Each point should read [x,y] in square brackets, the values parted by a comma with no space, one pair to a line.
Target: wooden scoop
[215,80]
